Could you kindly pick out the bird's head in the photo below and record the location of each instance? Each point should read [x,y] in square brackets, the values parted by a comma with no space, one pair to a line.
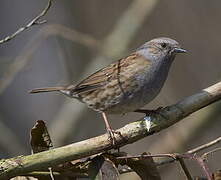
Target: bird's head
[160,48]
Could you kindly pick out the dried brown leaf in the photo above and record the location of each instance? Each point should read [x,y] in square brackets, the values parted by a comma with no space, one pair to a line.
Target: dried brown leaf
[101,168]
[40,138]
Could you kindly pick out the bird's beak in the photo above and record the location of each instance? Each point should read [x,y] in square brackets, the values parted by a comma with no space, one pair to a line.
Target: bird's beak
[179,50]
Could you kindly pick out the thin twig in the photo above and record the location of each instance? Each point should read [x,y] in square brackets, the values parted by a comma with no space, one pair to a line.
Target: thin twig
[51,173]
[192,151]
[189,154]
[148,155]
[42,174]
[203,165]
[204,146]
[36,21]
[204,156]
[174,156]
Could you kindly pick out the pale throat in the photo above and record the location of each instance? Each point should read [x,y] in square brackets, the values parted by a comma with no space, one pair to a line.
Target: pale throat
[160,65]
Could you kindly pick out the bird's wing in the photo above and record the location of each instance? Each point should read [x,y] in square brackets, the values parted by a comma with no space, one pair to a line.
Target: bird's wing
[105,75]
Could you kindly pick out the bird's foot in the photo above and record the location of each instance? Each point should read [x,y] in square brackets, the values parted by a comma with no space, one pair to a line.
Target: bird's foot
[111,135]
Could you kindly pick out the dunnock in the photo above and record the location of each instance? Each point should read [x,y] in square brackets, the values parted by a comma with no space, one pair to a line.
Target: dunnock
[127,84]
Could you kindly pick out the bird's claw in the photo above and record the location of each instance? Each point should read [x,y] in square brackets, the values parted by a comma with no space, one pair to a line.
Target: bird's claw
[111,135]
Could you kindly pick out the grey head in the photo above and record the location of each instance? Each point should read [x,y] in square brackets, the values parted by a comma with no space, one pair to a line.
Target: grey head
[159,49]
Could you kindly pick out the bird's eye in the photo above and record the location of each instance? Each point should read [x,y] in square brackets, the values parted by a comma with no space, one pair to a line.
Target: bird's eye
[163,45]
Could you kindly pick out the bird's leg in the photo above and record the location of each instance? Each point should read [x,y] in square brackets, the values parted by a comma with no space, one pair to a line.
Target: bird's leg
[110,131]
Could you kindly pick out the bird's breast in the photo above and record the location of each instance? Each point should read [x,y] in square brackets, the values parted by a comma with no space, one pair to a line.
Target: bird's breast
[144,87]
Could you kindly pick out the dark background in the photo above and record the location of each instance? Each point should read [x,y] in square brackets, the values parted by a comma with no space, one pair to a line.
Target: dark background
[83,36]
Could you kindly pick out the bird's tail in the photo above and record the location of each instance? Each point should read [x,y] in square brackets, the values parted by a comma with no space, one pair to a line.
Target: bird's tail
[47,89]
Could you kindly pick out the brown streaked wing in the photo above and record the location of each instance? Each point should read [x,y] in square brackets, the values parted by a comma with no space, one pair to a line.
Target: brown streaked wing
[103,76]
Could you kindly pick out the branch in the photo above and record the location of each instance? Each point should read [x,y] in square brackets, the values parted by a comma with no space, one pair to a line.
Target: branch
[35,21]
[130,133]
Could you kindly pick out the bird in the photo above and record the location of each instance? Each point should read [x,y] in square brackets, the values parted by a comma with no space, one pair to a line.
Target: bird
[127,84]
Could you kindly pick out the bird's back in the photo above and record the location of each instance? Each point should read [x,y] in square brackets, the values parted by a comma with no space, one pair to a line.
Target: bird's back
[113,87]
